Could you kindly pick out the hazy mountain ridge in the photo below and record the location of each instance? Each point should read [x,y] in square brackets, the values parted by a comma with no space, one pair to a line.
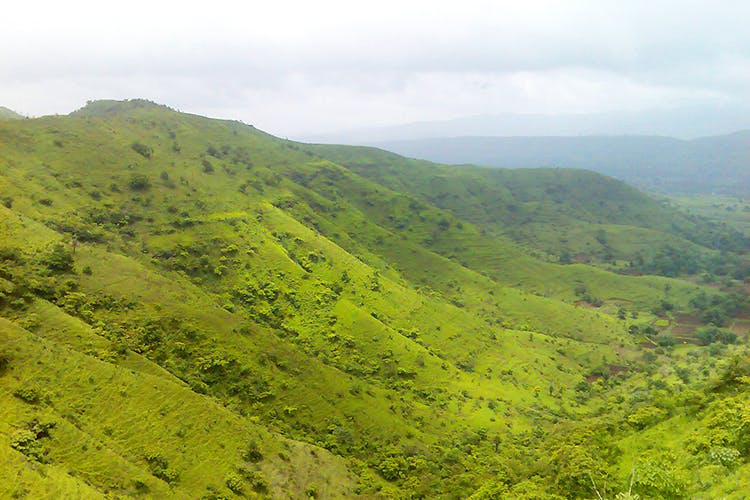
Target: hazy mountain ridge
[662,164]
[6,114]
[343,298]
[683,123]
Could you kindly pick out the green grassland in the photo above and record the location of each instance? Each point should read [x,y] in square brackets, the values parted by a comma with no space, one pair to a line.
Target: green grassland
[732,211]
[194,308]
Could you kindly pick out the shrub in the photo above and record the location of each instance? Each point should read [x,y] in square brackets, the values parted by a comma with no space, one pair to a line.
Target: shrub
[30,395]
[138,182]
[253,453]
[59,259]
[665,340]
[28,441]
[235,484]
[646,416]
[142,149]
[160,468]
[712,334]
[4,363]
[728,457]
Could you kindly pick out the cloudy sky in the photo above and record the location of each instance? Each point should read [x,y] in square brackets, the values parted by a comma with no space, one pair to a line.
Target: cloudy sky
[294,67]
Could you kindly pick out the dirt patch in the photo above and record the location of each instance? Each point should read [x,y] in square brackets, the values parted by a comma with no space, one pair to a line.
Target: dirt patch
[740,326]
[582,258]
[687,318]
[743,313]
[614,370]
[683,329]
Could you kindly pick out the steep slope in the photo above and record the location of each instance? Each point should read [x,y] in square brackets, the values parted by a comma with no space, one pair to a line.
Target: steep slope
[262,285]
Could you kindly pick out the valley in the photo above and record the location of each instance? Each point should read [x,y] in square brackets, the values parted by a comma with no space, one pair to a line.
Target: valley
[193,308]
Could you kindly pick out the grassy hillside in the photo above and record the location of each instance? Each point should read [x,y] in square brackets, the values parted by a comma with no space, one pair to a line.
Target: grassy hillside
[276,319]
[730,210]
[564,215]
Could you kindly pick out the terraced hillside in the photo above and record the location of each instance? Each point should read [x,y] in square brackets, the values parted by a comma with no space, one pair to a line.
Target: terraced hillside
[193,308]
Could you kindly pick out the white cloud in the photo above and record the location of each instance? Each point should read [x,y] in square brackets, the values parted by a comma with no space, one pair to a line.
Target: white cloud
[302,66]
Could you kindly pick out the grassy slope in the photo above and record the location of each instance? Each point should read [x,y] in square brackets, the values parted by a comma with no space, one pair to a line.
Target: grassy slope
[312,284]
[734,211]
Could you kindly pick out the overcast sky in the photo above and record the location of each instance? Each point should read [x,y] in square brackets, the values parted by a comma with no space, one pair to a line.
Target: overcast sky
[315,66]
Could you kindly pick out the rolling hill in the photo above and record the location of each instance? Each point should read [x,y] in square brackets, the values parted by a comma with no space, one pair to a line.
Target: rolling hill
[191,308]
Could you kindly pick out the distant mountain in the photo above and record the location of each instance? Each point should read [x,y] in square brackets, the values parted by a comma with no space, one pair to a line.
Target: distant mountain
[716,164]
[6,113]
[684,123]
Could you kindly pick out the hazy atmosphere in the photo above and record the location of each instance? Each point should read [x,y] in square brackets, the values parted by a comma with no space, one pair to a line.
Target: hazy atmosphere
[302,68]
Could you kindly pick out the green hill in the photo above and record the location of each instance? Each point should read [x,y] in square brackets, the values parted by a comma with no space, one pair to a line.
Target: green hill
[277,319]
[561,213]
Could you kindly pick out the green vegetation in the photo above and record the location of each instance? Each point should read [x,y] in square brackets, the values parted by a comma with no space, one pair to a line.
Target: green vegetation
[193,308]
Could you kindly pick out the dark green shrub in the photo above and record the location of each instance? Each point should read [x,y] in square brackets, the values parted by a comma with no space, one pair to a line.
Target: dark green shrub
[4,363]
[712,334]
[665,340]
[138,182]
[59,259]
[159,467]
[253,453]
[142,149]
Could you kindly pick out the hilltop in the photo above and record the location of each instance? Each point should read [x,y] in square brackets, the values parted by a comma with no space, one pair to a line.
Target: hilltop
[281,319]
